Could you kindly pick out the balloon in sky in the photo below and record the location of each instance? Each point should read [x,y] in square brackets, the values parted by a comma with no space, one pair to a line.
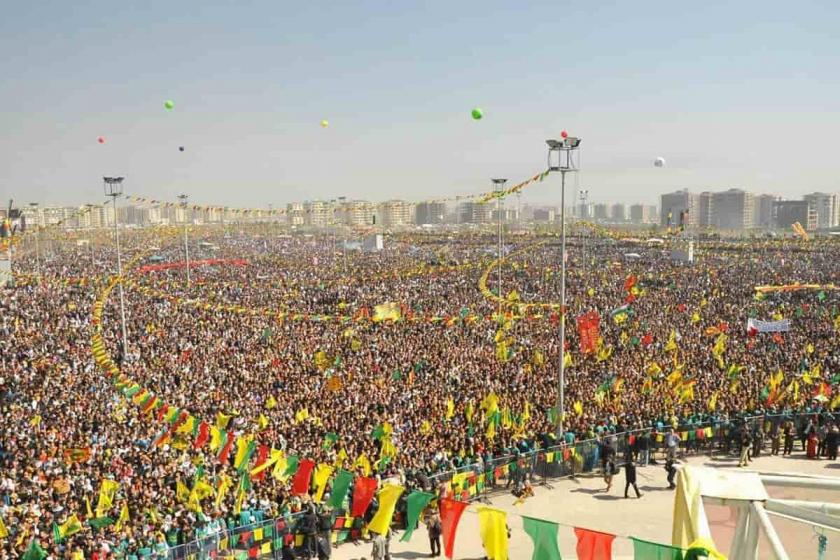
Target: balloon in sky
[181,148]
[564,134]
[101,139]
[169,104]
[477,113]
[325,123]
[659,162]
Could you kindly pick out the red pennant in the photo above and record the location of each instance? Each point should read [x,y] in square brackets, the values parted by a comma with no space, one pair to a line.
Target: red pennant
[593,545]
[300,482]
[223,456]
[363,490]
[203,435]
[262,457]
[450,515]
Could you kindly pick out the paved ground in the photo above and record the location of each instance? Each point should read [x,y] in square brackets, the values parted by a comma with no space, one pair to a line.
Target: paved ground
[583,502]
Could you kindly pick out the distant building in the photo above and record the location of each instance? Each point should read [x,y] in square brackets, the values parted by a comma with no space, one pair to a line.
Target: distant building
[295,214]
[763,210]
[545,214]
[788,212]
[733,209]
[706,210]
[318,213]
[642,214]
[827,209]
[430,213]
[396,213]
[618,212]
[601,212]
[584,210]
[674,204]
[358,213]
[470,212]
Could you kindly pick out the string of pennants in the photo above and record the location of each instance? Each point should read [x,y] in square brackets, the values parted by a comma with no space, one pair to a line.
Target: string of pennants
[481,197]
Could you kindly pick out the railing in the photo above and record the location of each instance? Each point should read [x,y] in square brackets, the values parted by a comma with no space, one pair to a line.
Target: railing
[266,538]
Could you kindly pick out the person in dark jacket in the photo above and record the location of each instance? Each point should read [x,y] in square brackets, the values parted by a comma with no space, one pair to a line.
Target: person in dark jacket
[309,526]
[832,439]
[672,472]
[630,473]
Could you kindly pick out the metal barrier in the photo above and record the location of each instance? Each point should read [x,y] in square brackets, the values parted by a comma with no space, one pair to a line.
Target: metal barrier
[506,473]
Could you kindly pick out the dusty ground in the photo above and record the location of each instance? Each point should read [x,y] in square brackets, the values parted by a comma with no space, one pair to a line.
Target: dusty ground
[583,502]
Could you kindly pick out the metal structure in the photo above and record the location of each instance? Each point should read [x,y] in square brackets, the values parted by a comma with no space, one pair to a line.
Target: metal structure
[113,188]
[37,226]
[561,157]
[584,201]
[498,184]
[184,198]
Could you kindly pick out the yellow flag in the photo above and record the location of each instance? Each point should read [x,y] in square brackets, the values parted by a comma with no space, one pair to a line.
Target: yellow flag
[468,412]
[242,446]
[672,342]
[215,438]
[363,463]
[182,493]
[187,426]
[87,508]
[224,485]
[426,428]
[604,353]
[578,408]
[567,360]
[274,456]
[695,318]
[712,404]
[222,420]
[262,421]
[271,402]
[107,491]
[123,518]
[490,403]
[526,414]
[653,369]
[388,496]
[301,415]
[450,408]
[71,526]
[491,431]
[320,479]
[809,348]
[386,312]
[4,533]
[493,528]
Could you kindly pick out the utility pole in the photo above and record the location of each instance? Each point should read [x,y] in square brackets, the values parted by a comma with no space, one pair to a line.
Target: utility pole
[184,198]
[113,188]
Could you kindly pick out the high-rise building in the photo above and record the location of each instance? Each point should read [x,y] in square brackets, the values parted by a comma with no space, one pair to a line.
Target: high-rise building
[733,209]
[788,212]
[317,213]
[674,204]
[827,208]
[642,214]
[470,212]
[763,214]
[430,213]
[618,212]
[295,214]
[358,213]
[601,212]
[545,214]
[706,209]
[396,213]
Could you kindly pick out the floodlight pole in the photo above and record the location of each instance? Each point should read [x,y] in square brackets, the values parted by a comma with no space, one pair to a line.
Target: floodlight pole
[564,150]
[498,184]
[584,200]
[184,198]
[34,206]
[113,188]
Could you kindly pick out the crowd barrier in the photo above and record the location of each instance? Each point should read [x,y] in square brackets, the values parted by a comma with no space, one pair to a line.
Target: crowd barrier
[254,537]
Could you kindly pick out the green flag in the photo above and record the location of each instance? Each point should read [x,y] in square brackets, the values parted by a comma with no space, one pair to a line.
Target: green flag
[378,432]
[291,465]
[415,502]
[56,533]
[100,522]
[340,487]
[544,535]
[34,552]
[653,551]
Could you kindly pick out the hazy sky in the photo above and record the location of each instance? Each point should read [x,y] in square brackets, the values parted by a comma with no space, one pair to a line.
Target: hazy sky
[742,93]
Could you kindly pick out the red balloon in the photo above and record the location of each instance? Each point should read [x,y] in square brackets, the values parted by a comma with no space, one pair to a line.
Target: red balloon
[101,139]
[564,134]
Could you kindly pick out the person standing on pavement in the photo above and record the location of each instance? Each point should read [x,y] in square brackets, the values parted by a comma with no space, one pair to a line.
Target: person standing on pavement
[630,473]
[434,528]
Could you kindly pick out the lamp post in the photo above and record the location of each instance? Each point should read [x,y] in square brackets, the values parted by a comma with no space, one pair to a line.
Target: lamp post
[498,184]
[113,188]
[184,198]
[561,158]
[37,224]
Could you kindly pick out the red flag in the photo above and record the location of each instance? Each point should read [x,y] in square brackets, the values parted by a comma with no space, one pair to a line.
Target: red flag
[647,340]
[223,456]
[300,482]
[203,435]
[593,545]
[450,514]
[630,282]
[588,331]
[363,490]
[262,457]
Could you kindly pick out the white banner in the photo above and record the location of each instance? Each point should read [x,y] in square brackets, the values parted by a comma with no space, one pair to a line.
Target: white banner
[768,326]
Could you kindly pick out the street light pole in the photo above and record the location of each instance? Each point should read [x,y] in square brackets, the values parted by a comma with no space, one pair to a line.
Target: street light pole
[564,150]
[113,188]
[584,200]
[498,184]
[184,198]
[34,206]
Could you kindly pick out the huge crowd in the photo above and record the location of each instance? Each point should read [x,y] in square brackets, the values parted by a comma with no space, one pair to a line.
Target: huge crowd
[298,362]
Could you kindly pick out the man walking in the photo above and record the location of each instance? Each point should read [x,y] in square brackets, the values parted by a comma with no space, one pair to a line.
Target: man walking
[630,473]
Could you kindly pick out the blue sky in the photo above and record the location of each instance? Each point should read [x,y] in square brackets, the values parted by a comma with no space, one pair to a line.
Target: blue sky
[730,93]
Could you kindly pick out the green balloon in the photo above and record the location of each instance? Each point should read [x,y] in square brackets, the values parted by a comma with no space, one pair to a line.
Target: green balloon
[477,113]
[169,104]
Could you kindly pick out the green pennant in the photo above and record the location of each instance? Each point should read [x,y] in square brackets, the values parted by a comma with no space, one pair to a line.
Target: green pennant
[34,552]
[340,487]
[56,533]
[544,535]
[655,551]
[100,522]
[415,504]
[292,463]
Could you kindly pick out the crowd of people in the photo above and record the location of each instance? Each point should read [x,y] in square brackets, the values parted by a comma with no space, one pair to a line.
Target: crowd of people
[297,359]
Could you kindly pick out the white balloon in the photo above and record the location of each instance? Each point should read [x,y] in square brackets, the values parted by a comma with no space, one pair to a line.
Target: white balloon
[659,162]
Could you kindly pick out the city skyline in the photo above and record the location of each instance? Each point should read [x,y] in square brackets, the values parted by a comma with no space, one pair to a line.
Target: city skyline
[711,88]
